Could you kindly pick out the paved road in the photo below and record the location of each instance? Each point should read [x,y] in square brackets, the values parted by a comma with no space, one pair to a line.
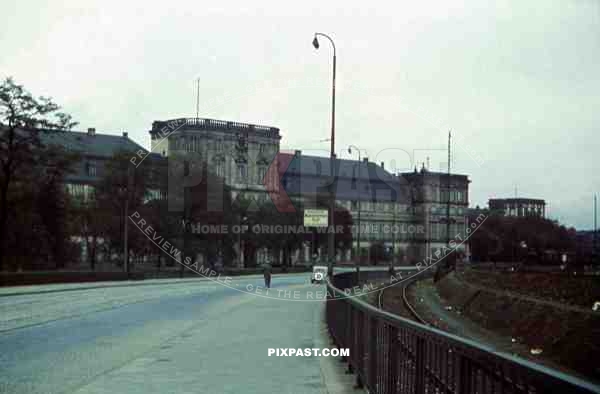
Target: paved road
[185,337]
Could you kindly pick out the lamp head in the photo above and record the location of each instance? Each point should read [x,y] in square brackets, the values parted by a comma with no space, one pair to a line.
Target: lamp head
[316,43]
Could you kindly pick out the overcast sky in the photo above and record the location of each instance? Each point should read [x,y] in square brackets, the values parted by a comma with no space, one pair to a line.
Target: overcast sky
[517,83]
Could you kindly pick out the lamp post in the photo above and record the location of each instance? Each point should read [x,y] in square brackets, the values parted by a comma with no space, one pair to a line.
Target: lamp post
[124,191]
[594,248]
[331,234]
[358,198]
[240,249]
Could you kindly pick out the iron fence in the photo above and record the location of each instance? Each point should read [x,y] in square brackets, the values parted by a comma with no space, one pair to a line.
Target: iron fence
[391,354]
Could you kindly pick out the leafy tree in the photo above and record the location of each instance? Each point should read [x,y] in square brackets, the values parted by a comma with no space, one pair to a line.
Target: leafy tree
[53,204]
[288,241]
[22,119]
[121,185]
[502,238]
[207,203]
[210,202]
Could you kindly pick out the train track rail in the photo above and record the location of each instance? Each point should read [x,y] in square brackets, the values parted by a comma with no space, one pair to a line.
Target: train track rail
[405,283]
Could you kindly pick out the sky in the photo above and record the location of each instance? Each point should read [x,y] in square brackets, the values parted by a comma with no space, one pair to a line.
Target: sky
[517,82]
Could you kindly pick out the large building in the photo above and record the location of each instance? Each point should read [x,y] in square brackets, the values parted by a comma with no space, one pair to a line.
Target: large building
[413,215]
[405,212]
[518,207]
[440,202]
[94,151]
[240,153]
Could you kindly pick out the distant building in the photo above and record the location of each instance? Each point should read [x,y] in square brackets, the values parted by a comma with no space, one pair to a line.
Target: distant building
[518,207]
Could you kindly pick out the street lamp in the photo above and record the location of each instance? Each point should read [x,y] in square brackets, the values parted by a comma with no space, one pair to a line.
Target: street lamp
[358,198]
[124,193]
[240,251]
[331,234]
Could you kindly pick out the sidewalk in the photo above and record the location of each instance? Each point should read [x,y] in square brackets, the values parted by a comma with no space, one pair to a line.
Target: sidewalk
[62,287]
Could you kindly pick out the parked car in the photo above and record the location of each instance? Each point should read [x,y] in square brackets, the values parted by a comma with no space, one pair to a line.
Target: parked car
[319,274]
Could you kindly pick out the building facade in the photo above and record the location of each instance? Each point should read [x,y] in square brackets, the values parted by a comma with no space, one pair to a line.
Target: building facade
[240,153]
[518,207]
[94,151]
[406,212]
[413,215]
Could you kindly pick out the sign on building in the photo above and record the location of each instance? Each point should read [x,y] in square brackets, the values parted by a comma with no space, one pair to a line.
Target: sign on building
[315,218]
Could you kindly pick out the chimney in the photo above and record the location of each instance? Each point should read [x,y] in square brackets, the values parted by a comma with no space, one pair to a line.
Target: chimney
[125,134]
[383,165]
[297,153]
[91,131]
[365,160]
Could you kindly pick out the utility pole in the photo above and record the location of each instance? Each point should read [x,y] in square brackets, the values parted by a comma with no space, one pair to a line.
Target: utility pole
[594,248]
[197,98]
[448,199]
[358,198]
[126,221]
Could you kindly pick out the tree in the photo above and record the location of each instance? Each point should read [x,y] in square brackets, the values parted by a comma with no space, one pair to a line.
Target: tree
[207,203]
[53,204]
[22,119]
[122,184]
[284,232]
[210,202]
[503,238]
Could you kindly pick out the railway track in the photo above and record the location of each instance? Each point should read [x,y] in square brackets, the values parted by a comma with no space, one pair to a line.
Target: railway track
[405,283]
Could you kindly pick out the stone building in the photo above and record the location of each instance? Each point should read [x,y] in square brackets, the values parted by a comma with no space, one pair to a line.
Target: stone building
[440,203]
[240,153]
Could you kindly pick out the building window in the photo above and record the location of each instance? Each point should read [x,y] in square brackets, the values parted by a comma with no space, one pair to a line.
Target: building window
[242,172]
[153,194]
[221,169]
[317,167]
[80,192]
[91,169]
[261,148]
[262,172]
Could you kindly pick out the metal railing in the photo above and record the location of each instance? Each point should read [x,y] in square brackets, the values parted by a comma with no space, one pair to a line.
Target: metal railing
[391,354]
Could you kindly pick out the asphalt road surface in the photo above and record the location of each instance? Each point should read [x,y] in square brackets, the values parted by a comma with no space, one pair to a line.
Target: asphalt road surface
[188,336]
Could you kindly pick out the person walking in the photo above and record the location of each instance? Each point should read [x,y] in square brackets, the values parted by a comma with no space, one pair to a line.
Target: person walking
[267,273]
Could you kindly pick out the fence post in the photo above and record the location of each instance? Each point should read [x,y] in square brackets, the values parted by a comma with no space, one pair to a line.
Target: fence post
[372,381]
[420,366]
[464,373]
[392,378]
